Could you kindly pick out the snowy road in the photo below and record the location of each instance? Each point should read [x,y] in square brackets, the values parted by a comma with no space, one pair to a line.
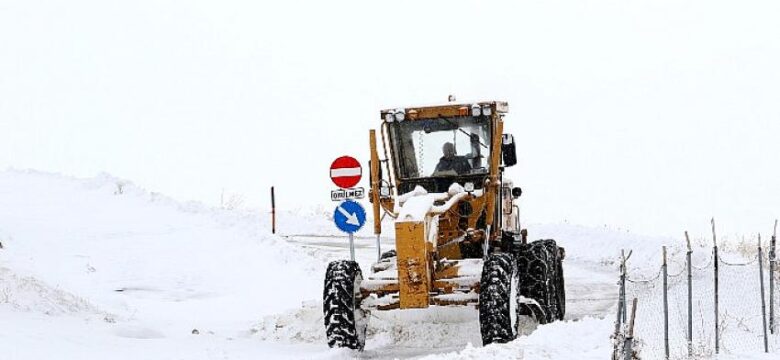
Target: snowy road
[591,292]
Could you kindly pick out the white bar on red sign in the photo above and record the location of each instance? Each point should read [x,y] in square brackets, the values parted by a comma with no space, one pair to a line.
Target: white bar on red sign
[345,172]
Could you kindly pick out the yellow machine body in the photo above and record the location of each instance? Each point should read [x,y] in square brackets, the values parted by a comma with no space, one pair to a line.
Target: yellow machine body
[438,256]
[414,276]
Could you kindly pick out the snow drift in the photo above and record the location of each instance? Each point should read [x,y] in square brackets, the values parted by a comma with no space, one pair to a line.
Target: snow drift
[97,268]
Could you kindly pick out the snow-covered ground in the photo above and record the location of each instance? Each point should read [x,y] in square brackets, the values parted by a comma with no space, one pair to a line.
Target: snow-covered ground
[86,272]
[89,272]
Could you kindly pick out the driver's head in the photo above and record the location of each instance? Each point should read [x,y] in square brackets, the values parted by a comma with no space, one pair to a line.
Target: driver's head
[448,149]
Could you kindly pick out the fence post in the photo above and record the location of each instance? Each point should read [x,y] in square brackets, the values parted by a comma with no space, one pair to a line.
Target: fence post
[273,211]
[622,290]
[715,261]
[623,285]
[772,265]
[666,307]
[616,352]
[628,352]
[763,300]
[690,296]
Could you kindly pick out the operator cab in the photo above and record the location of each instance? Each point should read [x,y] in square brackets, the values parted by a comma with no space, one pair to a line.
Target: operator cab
[433,147]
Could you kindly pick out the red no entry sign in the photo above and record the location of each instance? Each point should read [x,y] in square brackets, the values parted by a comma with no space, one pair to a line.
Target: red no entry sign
[346,172]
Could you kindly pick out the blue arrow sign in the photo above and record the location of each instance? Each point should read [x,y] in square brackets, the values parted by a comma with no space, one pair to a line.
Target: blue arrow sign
[349,216]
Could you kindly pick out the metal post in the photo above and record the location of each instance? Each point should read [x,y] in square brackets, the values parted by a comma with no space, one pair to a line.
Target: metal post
[715,265]
[763,300]
[772,266]
[486,243]
[623,285]
[273,211]
[616,349]
[690,296]
[628,351]
[352,246]
[378,249]
[666,307]
[618,322]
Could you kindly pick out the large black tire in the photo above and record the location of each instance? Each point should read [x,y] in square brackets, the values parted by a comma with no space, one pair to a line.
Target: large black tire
[540,276]
[498,299]
[559,293]
[345,321]
[561,290]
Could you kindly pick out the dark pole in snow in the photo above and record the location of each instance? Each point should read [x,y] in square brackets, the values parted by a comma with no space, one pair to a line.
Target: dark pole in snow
[690,297]
[618,324]
[763,300]
[273,211]
[772,266]
[715,265]
[629,352]
[623,286]
[666,308]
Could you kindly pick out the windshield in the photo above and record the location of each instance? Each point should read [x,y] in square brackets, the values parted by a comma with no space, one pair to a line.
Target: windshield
[441,147]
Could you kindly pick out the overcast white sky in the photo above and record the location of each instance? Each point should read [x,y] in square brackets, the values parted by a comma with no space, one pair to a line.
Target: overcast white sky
[645,115]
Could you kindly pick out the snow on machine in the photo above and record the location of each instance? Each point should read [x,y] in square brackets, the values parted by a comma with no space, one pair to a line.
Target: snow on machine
[457,229]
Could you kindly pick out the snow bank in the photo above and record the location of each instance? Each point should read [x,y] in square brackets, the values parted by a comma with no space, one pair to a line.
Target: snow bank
[417,331]
[29,294]
[86,248]
[582,339]
[89,266]
[303,325]
[602,245]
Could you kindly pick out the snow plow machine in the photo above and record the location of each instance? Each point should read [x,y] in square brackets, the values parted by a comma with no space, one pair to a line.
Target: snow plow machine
[457,229]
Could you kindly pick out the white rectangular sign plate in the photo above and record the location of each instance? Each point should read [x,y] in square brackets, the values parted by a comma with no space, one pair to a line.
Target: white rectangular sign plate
[347,194]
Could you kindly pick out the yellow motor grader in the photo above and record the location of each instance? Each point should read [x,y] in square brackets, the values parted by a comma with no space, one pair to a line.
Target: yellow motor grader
[457,229]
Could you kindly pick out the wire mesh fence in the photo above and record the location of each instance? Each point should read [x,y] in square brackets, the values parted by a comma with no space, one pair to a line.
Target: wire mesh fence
[740,321]
[699,304]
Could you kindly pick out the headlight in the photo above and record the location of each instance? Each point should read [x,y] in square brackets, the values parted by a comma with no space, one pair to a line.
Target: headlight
[399,115]
[476,110]
[384,191]
[486,110]
[389,117]
[469,186]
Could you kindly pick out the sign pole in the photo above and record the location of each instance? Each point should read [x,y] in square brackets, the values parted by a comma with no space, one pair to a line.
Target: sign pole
[352,246]
[378,249]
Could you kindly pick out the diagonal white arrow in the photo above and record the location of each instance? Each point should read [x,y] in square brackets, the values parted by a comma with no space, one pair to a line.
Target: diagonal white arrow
[352,218]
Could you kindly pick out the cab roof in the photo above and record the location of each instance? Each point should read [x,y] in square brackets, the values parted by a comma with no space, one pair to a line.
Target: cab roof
[446,110]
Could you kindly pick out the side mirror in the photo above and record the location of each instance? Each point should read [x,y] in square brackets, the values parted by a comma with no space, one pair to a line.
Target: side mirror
[516,192]
[508,150]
